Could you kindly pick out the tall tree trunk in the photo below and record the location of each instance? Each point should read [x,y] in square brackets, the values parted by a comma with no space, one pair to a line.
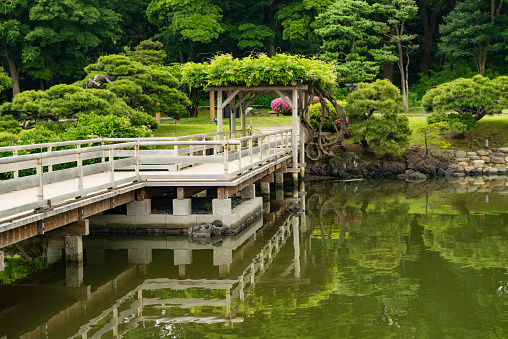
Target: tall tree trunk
[13,69]
[429,27]
[388,71]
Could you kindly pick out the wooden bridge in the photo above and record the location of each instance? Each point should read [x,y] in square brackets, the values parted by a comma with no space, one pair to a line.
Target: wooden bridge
[47,186]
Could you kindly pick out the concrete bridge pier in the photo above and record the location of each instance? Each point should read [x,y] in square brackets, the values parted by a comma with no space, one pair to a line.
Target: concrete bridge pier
[139,207]
[248,192]
[139,256]
[74,274]
[265,188]
[182,258]
[222,205]
[2,262]
[223,258]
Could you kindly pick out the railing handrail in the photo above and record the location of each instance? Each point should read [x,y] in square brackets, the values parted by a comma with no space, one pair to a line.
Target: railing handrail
[101,140]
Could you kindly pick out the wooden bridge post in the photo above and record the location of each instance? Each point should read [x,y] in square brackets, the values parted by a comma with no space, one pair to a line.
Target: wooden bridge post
[40,188]
[294,129]
[15,154]
[212,104]
[80,167]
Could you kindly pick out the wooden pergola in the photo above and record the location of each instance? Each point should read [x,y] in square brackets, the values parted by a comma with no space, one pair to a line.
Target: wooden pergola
[237,96]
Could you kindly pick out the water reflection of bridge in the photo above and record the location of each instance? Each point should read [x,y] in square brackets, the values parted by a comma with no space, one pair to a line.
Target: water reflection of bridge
[90,309]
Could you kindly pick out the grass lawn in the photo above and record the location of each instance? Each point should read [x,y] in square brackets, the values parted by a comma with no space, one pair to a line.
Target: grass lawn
[493,128]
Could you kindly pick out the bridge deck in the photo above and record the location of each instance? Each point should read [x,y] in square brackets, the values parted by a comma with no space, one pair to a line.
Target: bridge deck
[231,164]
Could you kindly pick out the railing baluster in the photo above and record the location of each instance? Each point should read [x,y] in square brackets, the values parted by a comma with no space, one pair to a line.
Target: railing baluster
[80,167]
[250,151]
[111,165]
[50,160]
[39,169]
[137,158]
[239,149]
[15,154]
[226,158]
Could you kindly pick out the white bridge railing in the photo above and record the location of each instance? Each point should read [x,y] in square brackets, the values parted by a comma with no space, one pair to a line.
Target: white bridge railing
[137,159]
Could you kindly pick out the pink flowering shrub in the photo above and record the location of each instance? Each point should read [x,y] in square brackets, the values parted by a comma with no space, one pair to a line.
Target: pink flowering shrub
[280,106]
[338,122]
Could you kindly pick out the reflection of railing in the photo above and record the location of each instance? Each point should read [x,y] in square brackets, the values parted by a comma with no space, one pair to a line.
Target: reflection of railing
[254,272]
[233,156]
[235,295]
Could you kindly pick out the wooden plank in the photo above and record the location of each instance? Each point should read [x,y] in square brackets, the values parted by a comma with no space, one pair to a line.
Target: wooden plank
[268,178]
[77,228]
[254,89]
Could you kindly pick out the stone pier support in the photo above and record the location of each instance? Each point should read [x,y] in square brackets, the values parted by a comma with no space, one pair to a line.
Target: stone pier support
[279,178]
[221,206]
[139,256]
[265,188]
[222,258]
[2,261]
[182,258]
[248,192]
[140,207]
[74,274]
[182,206]
[73,248]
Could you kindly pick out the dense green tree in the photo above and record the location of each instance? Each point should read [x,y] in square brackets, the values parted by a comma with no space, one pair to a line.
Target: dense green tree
[477,96]
[474,29]
[62,101]
[397,13]
[386,131]
[142,87]
[52,40]
[352,37]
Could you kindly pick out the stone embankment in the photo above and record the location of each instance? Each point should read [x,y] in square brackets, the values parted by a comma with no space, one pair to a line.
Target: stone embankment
[415,165]
[482,184]
[491,161]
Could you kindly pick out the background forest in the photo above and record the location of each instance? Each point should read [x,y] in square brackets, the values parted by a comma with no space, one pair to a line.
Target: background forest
[416,44]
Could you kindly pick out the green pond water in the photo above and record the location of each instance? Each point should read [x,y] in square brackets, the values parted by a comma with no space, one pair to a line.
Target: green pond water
[367,259]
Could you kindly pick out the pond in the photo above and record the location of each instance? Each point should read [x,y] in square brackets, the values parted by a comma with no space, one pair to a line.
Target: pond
[366,259]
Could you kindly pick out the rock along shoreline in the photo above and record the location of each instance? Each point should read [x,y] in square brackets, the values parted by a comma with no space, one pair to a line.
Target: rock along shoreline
[414,165]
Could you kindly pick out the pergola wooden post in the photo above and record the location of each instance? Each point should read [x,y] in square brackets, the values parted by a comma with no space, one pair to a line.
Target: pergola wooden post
[296,92]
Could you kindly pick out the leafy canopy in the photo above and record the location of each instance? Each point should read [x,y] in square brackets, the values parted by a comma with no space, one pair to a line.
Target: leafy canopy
[477,96]
[142,87]
[223,70]
[387,131]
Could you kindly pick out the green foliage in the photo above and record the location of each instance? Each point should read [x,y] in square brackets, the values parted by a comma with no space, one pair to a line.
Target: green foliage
[9,125]
[351,36]
[315,112]
[53,40]
[38,135]
[386,133]
[109,126]
[5,80]
[460,123]
[18,268]
[430,133]
[140,119]
[380,96]
[62,101]
[142,87]
[477,96]
[148,52]
[194,20]
[262,70]
[472,30]
[253,36]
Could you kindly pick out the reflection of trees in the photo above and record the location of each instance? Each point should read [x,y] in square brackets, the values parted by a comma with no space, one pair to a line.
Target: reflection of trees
[479,241]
